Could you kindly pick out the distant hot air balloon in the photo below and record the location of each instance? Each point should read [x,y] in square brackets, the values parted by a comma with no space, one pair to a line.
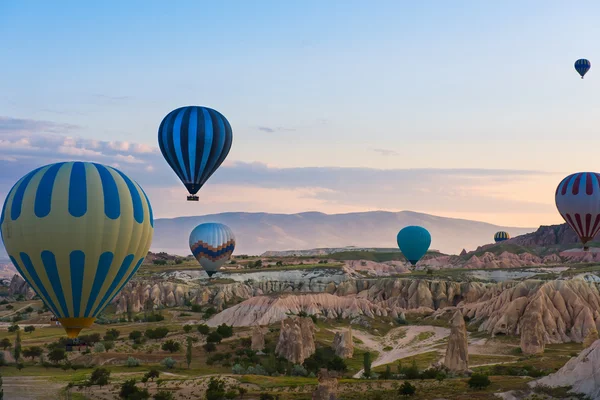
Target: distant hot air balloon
[195,141]
[414,242]
[76,232]
[212,244]
[501,236]
[582,66]
[578,201]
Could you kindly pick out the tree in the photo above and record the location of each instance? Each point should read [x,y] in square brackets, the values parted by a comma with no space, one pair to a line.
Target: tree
[5,343]
[10,307]
[29,310]
[112,334]
[153,373]
[57,355]
[210,311]
[479,381]
[130,391]
[17,349]
[187,328]
[188,352]
[407,389]
[225,330]
[216,389]
[258,264]
[100,377]
[29,329]
[203,329]
[108,345]
[163,395]
[242,391]
[209,347]
[135,335]
[196,308]
[168,362]
[171,346]
[214,337]
[33,352]
[13,328]
[158,333]
[99,348]
[367,364]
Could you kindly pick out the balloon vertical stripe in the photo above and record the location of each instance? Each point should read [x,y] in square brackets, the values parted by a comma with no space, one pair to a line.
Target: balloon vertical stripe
[77,264]
[115,282]
[194,141]
[32,273]
[112,202]
[104,264]
[78,191]
[43,197]
[17,202]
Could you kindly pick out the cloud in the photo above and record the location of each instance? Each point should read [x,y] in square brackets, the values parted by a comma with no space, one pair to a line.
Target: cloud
[506,197]
[20,125]
[275,129]
[385,152]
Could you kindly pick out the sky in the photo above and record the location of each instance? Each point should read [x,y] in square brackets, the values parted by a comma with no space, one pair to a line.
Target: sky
[465,109]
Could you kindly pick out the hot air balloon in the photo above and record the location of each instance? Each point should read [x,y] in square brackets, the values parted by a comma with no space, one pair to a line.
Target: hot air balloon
[414,242]
[195,141]
[76,232]
[501,236]
[212,245]
[582,66]
[578,201]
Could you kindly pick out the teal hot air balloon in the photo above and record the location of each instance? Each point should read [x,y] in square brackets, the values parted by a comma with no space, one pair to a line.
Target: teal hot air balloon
[414,242]
[194,141]
[76,232]
[212,244]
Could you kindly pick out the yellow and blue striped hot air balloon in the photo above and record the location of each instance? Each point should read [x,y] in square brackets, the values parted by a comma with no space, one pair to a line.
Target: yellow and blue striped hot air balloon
[501,236]
[76,232]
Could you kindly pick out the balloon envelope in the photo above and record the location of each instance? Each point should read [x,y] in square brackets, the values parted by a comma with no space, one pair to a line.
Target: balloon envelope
[414,242]
[212,244]
[195,141]
[76,232]
[582,66]
[501,236]
[578,202]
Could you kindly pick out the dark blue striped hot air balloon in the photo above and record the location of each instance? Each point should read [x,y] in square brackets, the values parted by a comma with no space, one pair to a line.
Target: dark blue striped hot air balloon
[195,141]
[582,66]
[501,236]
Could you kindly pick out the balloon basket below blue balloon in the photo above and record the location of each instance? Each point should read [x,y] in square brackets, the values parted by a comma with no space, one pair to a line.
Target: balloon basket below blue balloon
[192,198]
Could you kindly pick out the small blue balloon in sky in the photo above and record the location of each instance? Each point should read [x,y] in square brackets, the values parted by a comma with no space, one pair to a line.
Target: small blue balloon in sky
[582,66]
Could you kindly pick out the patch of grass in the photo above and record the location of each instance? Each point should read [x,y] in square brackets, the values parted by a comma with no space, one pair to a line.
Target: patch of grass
[423,360]
[277,381]
[478,359]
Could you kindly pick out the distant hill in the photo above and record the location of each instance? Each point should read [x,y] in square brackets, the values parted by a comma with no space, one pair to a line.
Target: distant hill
[257,233]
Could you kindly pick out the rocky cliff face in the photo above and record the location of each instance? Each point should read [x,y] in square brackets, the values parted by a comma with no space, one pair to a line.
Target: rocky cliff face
[18,286]
[457,355]
[296,339]
[258,339]
[582,373]
[343,344]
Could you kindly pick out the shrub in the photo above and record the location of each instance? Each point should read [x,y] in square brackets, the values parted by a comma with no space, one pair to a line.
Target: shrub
[210,311]
[266,396]
[479,381]
[299,370]
[214,337]
[238,369]
[100,376]
[187,328]
[99,348]
[13,328]
[209,347]
[112,334]
[225,330]
[203,329]
[407,389]
[133,335]
[169,363]
[171,346]
[29,329]
[215,389]
[130,391]
[132,362]
[163,394]
[153,373]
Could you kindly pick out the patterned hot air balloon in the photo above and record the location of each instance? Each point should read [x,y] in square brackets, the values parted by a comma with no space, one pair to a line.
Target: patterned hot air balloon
[501,236]
[195,141]
[76,232]
[578,201]
[582,66]
[414,242]
[212,244]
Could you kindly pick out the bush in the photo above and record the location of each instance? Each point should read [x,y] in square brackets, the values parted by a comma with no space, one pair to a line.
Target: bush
[299,370]
[90,339]
[210,311]
[130,391]
[57,355]
[479,381]
[132,362]
[163,394]
[153,373]
[171,346]
[407,389]
[10,307]
[196,308]
[159,262]
[209,347]
[215,389]
[134,335]
[158,333]
[225,330]
[13,328]
[266,396]
[187,328]
[203,329]
[238,369]
[112,334]
[29,329]
[108,345]
[324,357]
[100,376]
[99,348]
[214,337]
[169,363]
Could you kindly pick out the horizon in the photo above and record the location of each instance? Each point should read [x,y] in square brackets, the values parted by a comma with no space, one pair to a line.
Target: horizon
[364,116]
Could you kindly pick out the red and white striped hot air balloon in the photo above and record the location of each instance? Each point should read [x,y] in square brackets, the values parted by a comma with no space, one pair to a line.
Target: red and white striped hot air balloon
[578,202]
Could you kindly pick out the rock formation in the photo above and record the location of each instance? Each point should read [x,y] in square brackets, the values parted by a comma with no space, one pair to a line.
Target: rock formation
[343,344]
[328,386]
[296,339]
[590,338]
[581,372]
[258,339]
[18,286]
[457,355]
[532,328]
